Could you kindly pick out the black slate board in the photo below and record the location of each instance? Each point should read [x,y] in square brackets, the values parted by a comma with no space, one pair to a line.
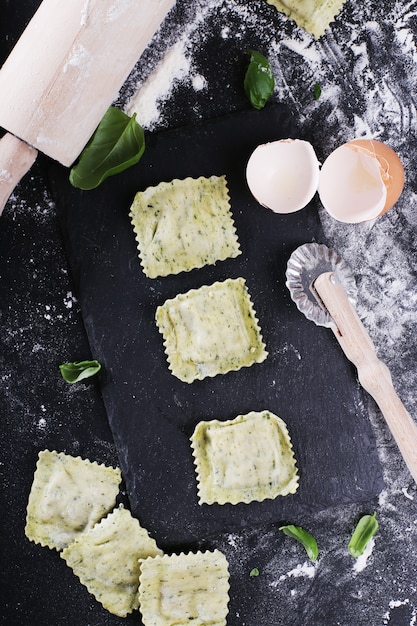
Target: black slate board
[306,379]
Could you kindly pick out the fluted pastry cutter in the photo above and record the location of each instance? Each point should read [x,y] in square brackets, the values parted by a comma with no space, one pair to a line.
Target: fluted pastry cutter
[323,288]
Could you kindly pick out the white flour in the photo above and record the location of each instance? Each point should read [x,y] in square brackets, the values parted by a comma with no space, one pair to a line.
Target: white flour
[362,561]
[175,66]
[305,569]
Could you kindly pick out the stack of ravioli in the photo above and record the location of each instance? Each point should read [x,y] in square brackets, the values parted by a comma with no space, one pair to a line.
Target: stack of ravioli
[71,509]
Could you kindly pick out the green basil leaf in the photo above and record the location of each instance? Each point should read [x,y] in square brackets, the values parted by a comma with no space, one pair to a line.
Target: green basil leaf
[259,81]
[304,537]
[73,372]
[364,531]
[254,572]
[117,143]
[317,91]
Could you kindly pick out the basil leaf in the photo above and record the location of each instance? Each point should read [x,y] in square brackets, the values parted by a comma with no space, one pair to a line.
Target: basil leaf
[117,143]
[259,82]
[304,537]
[73,372]
[364,531]
[317,91]
[254,572]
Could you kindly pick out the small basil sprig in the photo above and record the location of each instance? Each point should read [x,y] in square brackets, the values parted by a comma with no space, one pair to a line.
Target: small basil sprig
[259,81]
[304,537]
[117,143]
[317,91]
[76,371]
[364,531]
[254,572]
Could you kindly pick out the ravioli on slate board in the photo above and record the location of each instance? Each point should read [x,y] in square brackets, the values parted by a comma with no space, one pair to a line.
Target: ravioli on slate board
[306,380]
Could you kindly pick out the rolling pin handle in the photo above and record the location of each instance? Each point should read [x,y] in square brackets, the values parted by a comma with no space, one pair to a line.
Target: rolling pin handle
[16,159]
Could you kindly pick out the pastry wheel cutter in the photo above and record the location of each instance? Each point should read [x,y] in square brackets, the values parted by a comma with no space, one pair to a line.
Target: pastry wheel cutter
[323,288]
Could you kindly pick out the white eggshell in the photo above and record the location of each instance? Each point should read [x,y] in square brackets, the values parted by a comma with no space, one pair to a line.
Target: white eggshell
[283,175]
[351,187]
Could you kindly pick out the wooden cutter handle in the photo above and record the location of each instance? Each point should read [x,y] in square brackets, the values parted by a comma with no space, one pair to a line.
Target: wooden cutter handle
[373,375]
[16,159]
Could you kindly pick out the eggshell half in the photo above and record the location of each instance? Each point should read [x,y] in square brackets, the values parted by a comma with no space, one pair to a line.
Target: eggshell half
[360,180]
[283,175]
[392,170]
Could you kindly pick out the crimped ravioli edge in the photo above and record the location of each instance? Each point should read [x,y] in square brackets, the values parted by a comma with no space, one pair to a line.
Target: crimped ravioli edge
[134,213]
[292,487]
[184,556]
[251,309]
[91,531]
[327,15]
[41,454]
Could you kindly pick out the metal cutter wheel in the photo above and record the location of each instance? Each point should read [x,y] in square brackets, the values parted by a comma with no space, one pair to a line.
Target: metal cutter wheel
[323,288]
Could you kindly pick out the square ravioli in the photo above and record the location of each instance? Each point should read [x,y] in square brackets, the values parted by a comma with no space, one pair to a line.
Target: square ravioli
[68,496]
[211,330]
[245,459]
[106,560]
[185,589]
[315,16]
[183,224]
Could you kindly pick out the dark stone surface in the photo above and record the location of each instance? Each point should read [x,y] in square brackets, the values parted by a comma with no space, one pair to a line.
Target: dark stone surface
[152,414]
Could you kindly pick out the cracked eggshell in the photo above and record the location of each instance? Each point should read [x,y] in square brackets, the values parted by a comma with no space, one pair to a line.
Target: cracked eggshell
[283,175]
[360,180]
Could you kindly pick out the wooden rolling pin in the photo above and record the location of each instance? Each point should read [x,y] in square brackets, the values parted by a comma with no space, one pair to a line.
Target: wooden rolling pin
[62,75]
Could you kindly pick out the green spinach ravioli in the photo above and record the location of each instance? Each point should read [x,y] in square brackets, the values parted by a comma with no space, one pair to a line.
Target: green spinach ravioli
[68,496]
[186,588]
[211,330]
[184,224]
[315,16]
[249,458]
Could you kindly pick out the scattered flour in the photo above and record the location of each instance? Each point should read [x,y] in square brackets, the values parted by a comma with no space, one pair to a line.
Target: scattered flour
[304,570]
[174,67]
[362,561]
[199,82]
[70,300]
[80,56]
[84,13]
[178,63]
[407,495]
[5,175]
[395,604]
[118,8]
[233,540]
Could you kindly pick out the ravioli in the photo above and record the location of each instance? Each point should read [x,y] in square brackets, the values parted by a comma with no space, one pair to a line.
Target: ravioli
[106,560]
[184,224]
[211,330]
[315,16]
[68,496]
[245,459]
[185,589]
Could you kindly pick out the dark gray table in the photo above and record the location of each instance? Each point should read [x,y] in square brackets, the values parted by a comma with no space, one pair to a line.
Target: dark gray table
[365,65]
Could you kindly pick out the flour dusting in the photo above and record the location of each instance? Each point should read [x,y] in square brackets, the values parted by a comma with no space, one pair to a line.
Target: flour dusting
[174,67]
[305,569]
[362,561]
